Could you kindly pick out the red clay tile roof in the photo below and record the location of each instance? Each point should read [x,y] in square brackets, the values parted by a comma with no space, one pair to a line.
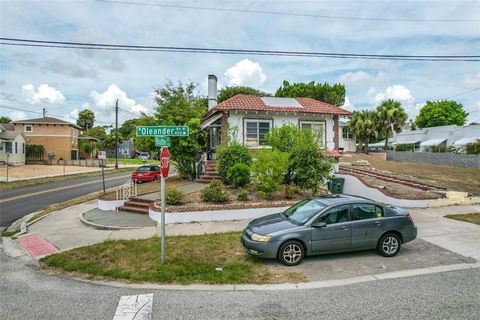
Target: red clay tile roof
[47,120]
[255,103]
[8,126]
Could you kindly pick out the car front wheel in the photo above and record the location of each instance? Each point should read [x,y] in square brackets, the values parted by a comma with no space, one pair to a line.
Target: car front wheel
[291,253]
[389,245]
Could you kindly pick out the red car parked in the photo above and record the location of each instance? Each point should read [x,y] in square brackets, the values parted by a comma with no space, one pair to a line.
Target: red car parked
[146,173]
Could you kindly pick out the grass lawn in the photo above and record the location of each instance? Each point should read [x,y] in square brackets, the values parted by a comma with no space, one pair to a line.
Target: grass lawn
[452,178]
[4,186]
[190,259]
[469,217]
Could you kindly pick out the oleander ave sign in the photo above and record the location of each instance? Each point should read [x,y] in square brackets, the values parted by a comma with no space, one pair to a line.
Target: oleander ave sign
[152,131]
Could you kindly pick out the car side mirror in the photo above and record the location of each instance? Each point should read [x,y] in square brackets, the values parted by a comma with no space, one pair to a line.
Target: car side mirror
[319,224]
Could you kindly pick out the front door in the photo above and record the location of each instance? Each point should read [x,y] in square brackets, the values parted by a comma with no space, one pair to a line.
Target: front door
[336,236]
[368,225]
[214,139]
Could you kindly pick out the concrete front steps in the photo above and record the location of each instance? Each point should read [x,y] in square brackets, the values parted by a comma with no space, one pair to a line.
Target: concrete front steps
[136,205]
[210,172]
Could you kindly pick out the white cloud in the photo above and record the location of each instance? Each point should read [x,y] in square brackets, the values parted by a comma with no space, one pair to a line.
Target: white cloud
[245,73]
[397,92]
[74,113]
[44,93]
[472,82]
[348,105]
[17,115]
[108,97]
[362,77]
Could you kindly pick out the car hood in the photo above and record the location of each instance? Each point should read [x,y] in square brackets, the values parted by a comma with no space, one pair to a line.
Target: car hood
[270,224]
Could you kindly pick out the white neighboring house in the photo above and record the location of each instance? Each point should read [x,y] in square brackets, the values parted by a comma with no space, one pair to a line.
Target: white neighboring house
[347,141]
[248,118]
[426,138]
[13,144]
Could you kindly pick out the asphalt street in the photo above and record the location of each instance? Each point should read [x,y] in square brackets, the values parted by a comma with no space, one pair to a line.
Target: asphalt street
[17,203]
[26,293]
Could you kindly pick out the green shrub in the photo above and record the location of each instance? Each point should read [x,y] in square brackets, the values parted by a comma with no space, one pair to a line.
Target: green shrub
[174,197]
[238,175]
[439,148]
[242,195]
[268,171]
[290,191]
[230,155]
[473,148]
[311,168]
[215,192]
[404,147]
[35,152]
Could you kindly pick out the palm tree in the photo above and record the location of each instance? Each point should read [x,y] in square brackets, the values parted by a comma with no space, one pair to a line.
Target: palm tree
[364,125]
[391,116]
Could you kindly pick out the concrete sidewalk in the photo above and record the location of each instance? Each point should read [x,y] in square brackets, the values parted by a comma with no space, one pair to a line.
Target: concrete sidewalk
[64,229]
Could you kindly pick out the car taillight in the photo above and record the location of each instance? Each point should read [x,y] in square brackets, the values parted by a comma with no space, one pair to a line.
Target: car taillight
[409,217]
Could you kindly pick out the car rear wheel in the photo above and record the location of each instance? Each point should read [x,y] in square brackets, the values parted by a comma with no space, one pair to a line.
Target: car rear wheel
[291,253]
[389,245]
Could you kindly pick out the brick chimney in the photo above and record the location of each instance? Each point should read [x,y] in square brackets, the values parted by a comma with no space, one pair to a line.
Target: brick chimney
[212,91]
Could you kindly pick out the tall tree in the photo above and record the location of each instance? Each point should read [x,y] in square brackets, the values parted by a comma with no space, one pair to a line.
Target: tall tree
[180,105]
[332,94]
[441,113]
[391,117]
[5,120]
[127,129]
[86,119]
[228,92]
[364,124]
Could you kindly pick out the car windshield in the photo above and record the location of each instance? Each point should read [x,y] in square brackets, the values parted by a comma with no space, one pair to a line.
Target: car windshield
[143,169]
[303,211]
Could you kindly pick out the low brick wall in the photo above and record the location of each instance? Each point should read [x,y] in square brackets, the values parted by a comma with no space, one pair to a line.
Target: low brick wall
[446,158]
[79,163]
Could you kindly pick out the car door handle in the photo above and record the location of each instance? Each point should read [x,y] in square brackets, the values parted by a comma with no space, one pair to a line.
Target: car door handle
[344,228]
[377,223]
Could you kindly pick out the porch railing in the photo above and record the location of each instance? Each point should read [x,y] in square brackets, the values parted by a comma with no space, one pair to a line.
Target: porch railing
[126,190]
[200,165]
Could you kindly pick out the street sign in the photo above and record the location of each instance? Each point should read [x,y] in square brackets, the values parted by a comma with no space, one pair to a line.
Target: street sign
[102,155]
[165,161]
[152,131]
[161,141]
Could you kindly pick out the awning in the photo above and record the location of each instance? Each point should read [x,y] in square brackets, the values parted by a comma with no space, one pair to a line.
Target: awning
[406,142]
[378,144]
[464,141]
[432,142]
[210,120]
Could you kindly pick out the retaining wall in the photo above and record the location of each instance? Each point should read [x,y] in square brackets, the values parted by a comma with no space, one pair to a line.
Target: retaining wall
[445,158]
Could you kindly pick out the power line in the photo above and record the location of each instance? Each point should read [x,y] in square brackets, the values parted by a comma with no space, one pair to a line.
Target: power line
[100,46]
[462,93]
[296,14]
[55,115]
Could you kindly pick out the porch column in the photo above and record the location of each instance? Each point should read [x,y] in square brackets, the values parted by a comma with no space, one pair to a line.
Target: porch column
[224,127]
[336,138]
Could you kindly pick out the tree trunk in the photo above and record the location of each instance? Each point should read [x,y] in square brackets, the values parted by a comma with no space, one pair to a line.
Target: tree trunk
[366,145]
[386,140]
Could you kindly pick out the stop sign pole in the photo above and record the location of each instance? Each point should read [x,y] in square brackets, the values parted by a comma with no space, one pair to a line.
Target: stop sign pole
[165,168]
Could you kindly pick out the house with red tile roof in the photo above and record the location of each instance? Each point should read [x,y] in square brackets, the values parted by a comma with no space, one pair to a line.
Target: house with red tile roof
[248,118]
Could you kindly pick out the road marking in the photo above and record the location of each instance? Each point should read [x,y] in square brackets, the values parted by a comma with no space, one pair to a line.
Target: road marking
[137,307]
[59,188]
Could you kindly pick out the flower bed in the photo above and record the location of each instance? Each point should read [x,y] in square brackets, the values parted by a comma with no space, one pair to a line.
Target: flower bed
[226,206]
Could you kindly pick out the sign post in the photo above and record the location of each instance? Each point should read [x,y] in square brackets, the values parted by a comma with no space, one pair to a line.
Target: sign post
[102,155]
[162,136]
[165,168]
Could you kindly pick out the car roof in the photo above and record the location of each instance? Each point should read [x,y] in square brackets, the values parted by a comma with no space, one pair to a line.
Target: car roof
[333,199]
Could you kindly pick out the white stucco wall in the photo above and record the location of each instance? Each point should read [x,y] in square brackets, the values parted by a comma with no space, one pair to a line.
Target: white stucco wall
[17,157]
[236,123]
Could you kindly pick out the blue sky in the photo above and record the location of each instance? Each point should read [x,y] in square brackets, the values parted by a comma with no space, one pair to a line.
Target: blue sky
[66,80]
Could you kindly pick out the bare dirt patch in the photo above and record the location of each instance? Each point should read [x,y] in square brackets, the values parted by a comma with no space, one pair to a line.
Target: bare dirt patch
[452,178]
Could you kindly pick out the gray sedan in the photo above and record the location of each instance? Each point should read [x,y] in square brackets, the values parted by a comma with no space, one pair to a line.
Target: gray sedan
[331,224]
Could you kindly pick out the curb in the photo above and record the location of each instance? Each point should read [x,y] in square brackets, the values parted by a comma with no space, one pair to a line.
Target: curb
[280,286]
[103,227]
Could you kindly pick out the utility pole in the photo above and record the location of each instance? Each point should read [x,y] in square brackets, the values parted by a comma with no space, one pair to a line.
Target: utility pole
[44,112]
[116,134]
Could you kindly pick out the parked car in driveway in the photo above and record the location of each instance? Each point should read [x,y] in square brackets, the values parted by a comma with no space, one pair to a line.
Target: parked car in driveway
[331,224]
[146,173]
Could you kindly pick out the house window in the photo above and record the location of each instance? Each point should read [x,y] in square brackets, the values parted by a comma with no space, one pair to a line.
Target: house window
[16,147]
[255,131]
[317,127]
[28,128]
[8,147]
[346,133]
[23,148]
